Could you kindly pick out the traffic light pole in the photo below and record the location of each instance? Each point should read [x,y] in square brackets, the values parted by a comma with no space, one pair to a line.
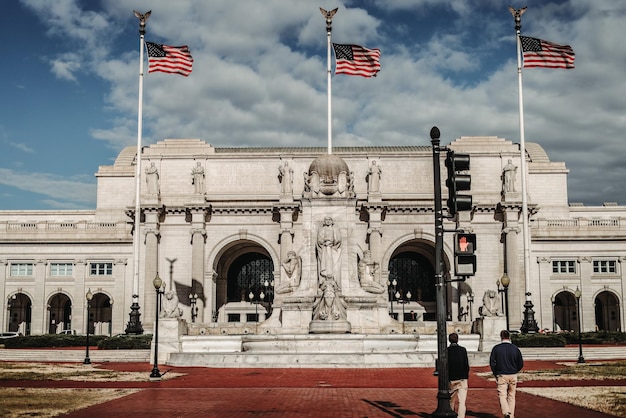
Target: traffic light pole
[443,393]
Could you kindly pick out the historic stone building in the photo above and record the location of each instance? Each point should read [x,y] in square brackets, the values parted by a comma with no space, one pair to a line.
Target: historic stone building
[295,241]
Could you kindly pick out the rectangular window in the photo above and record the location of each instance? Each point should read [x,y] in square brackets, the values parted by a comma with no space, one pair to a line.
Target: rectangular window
[564,266]
[605,266]
[101,269]
[61,269]
[22,269]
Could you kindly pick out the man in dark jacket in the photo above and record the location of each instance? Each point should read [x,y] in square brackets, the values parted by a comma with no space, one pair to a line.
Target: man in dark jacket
[458,372]
[505,362]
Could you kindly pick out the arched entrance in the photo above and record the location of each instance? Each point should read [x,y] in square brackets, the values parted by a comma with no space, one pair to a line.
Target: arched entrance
[19,312]
[245,284]
[607,312]
[59,313]
[565,312]
[100,315]
[411,269]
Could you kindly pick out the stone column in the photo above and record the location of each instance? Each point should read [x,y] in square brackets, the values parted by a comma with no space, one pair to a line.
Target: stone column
[198,240]
[286,212]
[151,263]
[375,230]
[514,271]
[376,237]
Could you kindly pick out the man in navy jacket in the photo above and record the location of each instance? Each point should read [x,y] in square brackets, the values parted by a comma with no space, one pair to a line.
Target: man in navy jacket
[506,361]
[458,372]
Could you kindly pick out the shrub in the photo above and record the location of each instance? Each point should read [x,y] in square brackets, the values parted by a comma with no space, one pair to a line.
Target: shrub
[538,340]
[51,341]
[126,342]
[103,342]
[600,337]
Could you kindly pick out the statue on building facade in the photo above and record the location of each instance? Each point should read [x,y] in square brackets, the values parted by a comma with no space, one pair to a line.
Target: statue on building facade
[373,178]
[152,179]
[492,305]
[342,182]
[285,175]
[197,174]
[170,306]
[508,177]
[368,274]
[329,306]
[313,180]
[290,273]
[328,251]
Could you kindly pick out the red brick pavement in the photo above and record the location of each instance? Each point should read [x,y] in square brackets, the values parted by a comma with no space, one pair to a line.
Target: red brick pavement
[342,393]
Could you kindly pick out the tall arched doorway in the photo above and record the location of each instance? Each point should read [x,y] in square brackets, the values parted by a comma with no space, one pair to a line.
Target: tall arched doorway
[245,282]
[607,312]
[19,313]
[411,266]
[59,313]
[565,312]
[100,315]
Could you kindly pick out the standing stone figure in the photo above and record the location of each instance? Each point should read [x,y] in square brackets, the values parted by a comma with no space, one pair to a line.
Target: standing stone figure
[197,180]
[374,175]
[290,273]
[286,178]
[508,176]
[329,251]
[152,179]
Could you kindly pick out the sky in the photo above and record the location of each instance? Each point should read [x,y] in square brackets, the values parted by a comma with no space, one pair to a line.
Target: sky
[70,74]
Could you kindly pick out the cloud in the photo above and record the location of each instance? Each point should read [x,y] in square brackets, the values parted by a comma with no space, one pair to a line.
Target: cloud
[78,189]
[260,76]
[66,66]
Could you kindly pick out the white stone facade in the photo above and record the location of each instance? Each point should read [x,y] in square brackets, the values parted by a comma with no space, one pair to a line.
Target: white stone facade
[218,211]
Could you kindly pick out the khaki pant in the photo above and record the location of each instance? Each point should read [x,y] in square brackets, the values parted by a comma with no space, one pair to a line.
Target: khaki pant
[458,392]
[507,383]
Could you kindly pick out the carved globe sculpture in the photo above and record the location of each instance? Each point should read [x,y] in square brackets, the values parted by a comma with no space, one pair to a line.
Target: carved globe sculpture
[330,169]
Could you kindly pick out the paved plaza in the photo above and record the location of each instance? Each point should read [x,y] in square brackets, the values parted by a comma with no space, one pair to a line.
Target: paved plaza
[280,392]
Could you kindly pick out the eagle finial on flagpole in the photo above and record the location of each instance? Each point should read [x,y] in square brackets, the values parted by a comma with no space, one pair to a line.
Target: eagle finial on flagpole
[517,14]
[329,17]
[143,18]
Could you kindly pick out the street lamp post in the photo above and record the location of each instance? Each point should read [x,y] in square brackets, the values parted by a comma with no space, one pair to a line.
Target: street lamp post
[505,282]
[403,301]
[155,375]
[256,312]
[193,297]
[443,390]
[392,291]
[553,299]
[88,296]
[470,300]
[581,359]
[269,291]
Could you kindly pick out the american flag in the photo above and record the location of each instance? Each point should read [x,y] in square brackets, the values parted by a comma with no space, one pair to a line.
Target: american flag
[169,59]
[540,53]
[356,60]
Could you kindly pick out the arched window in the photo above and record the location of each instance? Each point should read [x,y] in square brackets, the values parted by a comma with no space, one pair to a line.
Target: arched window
[413,272]
[248,274]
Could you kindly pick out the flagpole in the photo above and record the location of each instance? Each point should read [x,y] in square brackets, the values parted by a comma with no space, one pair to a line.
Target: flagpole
[528,324]
[134,323]
[329,27]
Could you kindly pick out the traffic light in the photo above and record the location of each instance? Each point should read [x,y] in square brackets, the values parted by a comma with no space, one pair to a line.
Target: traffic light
[458,182]
[464,257]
